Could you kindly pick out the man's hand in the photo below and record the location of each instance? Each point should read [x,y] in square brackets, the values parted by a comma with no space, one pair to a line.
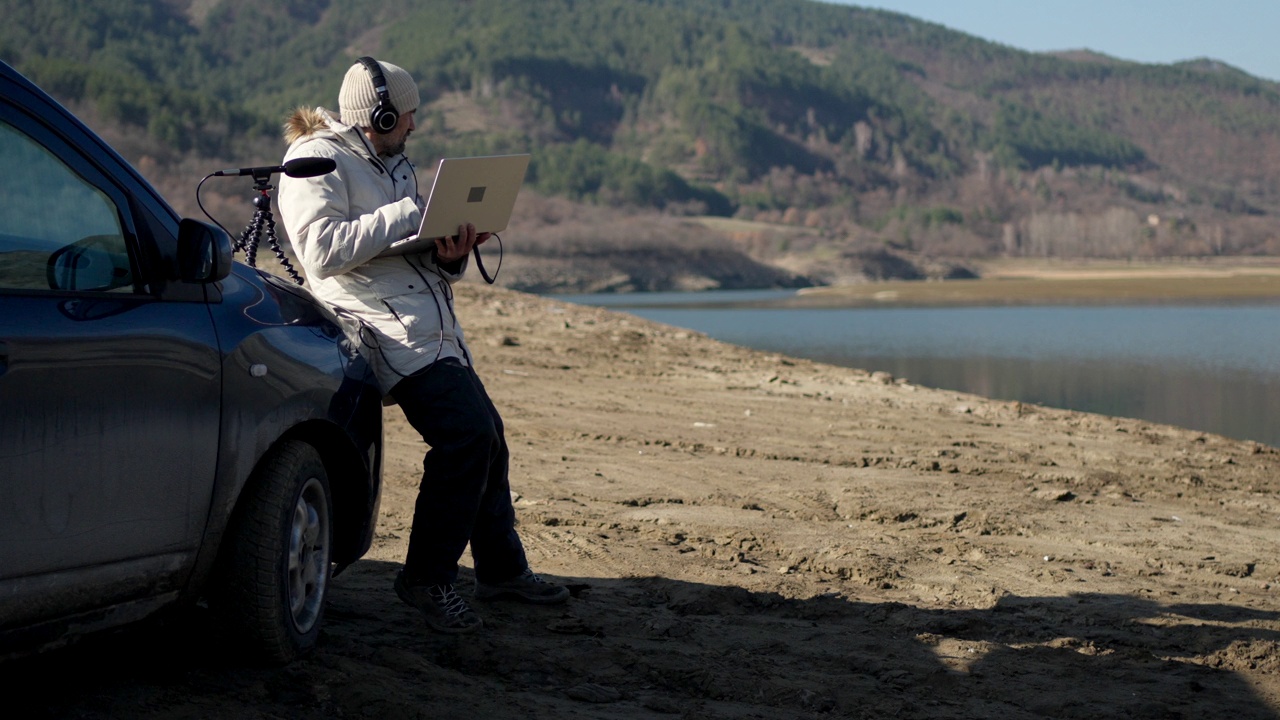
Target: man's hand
[453,249]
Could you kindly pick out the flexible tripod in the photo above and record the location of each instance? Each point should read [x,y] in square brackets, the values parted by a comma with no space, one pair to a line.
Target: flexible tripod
[249,239]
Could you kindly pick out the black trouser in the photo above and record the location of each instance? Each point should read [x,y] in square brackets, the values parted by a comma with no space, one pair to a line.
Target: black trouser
[465,495]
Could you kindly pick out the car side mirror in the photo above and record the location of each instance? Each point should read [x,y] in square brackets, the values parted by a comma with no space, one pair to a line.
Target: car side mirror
[204,252]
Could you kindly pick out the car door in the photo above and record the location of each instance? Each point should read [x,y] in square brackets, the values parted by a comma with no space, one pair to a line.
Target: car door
[109,393]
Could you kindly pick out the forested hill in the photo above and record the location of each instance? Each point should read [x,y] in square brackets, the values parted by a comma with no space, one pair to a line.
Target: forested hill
[855,129]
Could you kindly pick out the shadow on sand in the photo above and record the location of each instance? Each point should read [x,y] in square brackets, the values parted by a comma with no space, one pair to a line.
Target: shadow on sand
[655,647]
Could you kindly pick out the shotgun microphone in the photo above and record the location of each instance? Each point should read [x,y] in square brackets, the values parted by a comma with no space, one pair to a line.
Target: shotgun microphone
[296,168]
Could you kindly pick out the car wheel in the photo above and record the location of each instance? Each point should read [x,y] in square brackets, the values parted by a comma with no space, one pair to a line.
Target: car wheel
[277,560]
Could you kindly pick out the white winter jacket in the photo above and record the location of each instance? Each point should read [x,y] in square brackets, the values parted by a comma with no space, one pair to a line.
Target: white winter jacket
[339,222]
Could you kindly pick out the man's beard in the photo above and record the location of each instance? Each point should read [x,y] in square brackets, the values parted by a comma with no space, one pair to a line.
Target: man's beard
[396,149]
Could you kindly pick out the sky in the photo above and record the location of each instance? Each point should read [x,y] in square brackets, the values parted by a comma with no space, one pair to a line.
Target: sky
[1241,33]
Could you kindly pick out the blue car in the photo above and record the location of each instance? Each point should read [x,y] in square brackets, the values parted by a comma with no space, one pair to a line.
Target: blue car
[174,426]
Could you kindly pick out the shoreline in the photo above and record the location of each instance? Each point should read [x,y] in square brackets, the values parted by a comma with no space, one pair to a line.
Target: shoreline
[1166,377]
[1066,289]
[1018,282]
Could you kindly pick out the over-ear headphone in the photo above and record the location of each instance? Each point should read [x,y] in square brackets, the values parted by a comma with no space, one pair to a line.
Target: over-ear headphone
[383,117]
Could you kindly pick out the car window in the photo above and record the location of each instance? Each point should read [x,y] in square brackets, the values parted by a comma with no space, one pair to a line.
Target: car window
[57,230]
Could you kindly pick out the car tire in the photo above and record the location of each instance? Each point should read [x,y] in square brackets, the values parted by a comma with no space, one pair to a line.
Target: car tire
[276,560]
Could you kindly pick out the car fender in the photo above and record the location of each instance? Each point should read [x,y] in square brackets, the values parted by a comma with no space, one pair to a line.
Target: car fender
[290,372]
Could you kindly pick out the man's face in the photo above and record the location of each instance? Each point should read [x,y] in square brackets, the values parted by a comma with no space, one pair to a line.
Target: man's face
[392,143]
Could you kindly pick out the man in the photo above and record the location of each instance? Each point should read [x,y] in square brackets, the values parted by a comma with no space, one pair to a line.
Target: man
[338,224]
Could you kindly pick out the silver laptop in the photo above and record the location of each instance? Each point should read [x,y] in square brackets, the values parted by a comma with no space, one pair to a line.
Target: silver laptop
[477,190]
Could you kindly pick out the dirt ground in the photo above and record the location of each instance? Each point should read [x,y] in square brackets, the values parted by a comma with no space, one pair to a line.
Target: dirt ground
[752,536]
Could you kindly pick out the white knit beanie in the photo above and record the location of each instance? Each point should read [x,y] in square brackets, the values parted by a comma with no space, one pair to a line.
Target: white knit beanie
[357,97]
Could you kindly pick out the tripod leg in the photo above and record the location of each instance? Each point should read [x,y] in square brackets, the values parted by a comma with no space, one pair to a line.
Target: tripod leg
[249,239]
[275,246]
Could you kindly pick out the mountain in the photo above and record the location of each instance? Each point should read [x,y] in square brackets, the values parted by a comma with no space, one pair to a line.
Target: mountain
[831,135]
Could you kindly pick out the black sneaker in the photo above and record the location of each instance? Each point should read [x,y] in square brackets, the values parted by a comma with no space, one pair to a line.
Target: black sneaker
[526,586]
[443,608]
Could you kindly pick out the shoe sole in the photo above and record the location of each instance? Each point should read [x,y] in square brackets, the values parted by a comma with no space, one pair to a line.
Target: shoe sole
[487,594]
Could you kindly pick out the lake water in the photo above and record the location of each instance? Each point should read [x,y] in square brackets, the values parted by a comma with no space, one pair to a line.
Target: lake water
[1212,368]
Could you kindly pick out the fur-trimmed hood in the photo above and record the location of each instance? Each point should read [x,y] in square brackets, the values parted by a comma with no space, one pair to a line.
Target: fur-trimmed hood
[308,121]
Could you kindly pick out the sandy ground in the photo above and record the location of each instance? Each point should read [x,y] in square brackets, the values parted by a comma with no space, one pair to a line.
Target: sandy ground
[751,536]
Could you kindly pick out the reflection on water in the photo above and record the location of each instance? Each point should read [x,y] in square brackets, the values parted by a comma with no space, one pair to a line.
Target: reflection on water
[1210,368]
[1228,402]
